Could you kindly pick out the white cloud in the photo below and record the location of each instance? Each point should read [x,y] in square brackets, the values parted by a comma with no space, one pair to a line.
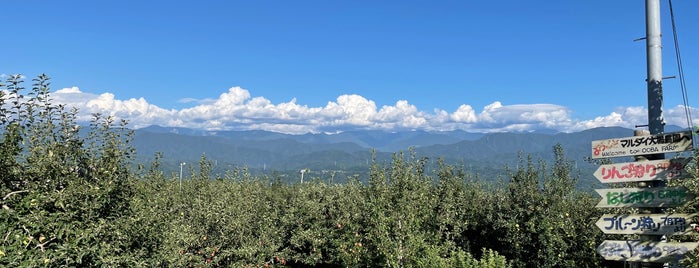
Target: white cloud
[628,117]
[498,113]
[356,110]
[138,111]
[188,100]
[68,90]
[678,116]
[196,101]
[613,119]
[237,109]
[464,114]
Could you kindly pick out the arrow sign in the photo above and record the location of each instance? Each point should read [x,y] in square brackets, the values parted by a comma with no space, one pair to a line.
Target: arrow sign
[640,145]
[642,171]
[661,197]
[647,224]
[644,251]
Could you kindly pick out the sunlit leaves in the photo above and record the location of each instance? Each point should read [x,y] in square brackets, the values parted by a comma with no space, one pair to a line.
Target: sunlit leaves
[71,198]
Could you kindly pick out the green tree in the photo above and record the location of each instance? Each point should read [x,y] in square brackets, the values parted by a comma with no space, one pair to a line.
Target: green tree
[48,178]
[545,222]
[398,212]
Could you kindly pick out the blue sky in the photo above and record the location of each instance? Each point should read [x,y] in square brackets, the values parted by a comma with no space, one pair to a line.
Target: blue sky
[328,66]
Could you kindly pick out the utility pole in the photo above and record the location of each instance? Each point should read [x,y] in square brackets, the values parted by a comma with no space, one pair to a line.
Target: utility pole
[655,68]
[651,250]
[654,80]
[181,165]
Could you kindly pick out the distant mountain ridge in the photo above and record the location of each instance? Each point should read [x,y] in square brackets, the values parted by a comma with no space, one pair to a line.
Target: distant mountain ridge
[261,151]
[380,140]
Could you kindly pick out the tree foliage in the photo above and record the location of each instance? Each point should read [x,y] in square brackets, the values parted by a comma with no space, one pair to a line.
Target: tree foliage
[65,197]
[71,197]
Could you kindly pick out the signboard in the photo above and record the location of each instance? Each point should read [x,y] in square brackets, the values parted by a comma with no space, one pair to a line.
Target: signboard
[644,251]
[642,171]
[640,145]
[646,224]
[659,197]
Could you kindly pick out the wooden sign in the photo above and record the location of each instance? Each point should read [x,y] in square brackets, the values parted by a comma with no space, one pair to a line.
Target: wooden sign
[654,170]
[659,197]
[646,224]
[644,251]
[640,145]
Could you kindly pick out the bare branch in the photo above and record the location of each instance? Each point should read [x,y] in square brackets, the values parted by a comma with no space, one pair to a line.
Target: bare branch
[13,193]
[42,245]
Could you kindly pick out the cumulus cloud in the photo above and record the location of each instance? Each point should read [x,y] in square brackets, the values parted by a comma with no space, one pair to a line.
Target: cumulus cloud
[69,90]
[678,115]
[498,114]
[238,109]
[138,111]
[464,114]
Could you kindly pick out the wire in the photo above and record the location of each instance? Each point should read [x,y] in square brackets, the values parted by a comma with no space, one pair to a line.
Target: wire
[680,69]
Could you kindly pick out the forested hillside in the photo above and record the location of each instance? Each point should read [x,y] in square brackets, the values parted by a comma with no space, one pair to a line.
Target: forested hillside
[350,153]
[70,200]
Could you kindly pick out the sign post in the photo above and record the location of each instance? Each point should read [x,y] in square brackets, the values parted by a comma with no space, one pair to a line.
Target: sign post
[646,224]
[657,197]
[642,145]
[644,251]
[651,248]
[664,169]
[651,223]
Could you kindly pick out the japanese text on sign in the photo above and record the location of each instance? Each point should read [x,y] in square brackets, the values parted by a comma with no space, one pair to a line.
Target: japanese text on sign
[643,197]
[638,145]
[657,224]
[642,171]
[644,251]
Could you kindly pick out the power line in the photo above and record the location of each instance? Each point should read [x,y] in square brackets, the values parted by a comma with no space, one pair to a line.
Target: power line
[680,69]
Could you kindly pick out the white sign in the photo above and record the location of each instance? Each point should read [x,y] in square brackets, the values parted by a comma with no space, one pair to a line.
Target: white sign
[640,145]
[660,197]
[642,171]
[647,224]
[644,251]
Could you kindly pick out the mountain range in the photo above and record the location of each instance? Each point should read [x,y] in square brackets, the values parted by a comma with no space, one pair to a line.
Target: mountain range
[350,153]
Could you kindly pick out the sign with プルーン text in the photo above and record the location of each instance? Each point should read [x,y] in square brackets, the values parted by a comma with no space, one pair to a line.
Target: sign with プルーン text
[641,145]
[646,224]
[644,251]
[663,169]
[658,197]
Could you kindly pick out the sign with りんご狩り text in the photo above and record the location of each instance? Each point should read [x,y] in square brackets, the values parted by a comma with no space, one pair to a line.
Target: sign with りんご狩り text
[663,169]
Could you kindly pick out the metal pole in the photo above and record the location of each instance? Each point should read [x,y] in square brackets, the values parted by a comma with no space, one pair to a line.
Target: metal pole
[655,68]
[656,123]
[654,80]
[181,165]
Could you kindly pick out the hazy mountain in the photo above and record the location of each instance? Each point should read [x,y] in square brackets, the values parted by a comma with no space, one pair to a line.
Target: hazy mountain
[351,152]
[380,140]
